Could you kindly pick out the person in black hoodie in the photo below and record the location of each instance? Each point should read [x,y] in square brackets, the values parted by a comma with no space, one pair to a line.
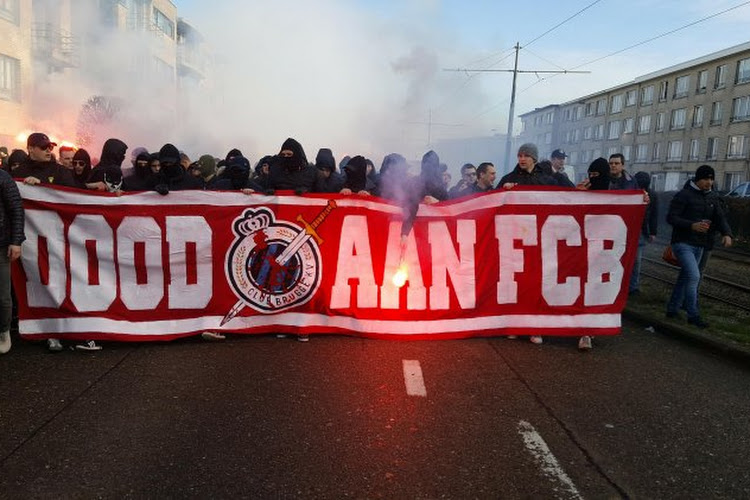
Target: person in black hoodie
[17,158]
[329,181]
[81,168]
[290,170]
[356,177]
[11,238]
[237,176]
[172,177]
[142,178]
[262,170]
[692,212]
[41,168]
[107,175]
[426,188]
[393,179]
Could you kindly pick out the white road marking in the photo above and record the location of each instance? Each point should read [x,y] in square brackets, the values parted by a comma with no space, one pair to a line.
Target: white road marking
[541,452]
[414,379]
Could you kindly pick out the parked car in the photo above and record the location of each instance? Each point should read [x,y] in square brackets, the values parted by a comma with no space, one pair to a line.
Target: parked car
[741,191]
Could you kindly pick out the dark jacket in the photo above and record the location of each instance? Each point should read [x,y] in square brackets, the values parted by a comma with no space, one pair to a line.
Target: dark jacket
[142,178]
[693,205]
[292,173]
[520,176]
[562,180]
[48,172]
[11,216]
[429,182]
[625,181]
[113,154]
[80,179]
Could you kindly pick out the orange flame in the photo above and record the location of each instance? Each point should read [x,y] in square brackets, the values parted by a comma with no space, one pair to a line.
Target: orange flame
[399,279]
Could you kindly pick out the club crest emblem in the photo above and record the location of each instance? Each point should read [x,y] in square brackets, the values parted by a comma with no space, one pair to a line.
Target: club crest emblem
[274,265]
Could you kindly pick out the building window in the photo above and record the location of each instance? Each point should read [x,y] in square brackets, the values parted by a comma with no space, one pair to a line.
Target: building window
[9,78]
[721,77]
[647,95]
[601,107]
[641,152]
[644,124]
[712,148]
[549,117]
[656,152]
[681,86]
[577,136]
[599,132]
[716,114]
[630,97]
[660,122]
[579,113]
[590,109]
[627,126]
[698,116]
[678,119]
[548,138]
[614,130]
[587,133]
[574,158]
[616,106]
[674,151]
[627,151]
[694,149]
[663,91]
[9,11]
[612,150]
[736,146]
[702,82]
[741,109]
[163,23]
[743,71]
[597,153]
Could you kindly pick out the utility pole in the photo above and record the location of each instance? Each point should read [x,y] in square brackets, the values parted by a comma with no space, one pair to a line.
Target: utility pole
[431,124]
[511,112]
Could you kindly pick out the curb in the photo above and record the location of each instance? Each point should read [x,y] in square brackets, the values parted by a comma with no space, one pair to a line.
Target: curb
[725,347]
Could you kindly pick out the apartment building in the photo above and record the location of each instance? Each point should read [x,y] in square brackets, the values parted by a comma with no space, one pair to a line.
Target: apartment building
[666,123]
[50,41]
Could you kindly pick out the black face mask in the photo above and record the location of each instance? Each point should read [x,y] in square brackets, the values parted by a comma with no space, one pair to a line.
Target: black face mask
[290,163]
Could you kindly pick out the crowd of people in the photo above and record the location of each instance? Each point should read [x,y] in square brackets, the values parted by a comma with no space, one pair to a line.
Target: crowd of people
[694,213]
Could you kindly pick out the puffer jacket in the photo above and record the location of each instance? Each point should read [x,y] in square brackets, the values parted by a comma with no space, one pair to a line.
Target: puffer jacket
[11,216]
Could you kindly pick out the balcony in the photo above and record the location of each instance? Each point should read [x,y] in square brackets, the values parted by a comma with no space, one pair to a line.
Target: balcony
[53,45]
[191,61]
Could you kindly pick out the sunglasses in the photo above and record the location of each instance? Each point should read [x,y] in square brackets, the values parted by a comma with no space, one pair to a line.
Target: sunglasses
[79,162]
[48,147]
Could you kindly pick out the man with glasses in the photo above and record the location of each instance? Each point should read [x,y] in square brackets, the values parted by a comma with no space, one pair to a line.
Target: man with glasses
[467,182]
[41,168]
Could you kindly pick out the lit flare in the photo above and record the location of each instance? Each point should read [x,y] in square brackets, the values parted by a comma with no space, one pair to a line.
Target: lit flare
[399,279]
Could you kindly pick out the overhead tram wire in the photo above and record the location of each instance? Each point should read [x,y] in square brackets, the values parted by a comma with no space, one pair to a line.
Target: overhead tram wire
[525,45]
[546,78]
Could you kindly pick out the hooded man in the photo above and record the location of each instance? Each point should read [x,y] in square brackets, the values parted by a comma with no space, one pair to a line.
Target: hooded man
[107,175]
[356,176]
[648,230]
[41,168]
[526,171]
[393,179]
[142,178]
[290,170]
[17,158]
[598,173]
[328,181]
[426,188]
[81,168]
[172,176]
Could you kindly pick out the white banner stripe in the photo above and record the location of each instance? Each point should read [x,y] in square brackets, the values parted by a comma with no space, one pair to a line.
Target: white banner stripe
[229,198]
[394,327]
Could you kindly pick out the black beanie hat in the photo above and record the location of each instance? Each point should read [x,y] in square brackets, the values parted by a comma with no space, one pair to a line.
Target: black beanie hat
[704,172]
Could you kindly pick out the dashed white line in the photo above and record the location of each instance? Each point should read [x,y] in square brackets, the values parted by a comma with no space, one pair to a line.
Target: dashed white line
[541,452]
[414,379]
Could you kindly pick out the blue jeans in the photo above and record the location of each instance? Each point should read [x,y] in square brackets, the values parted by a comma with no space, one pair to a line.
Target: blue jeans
[686,289]
[635,275]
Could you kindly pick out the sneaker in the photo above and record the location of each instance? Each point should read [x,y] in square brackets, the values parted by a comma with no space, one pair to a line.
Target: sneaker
[54,345]
[212,336]
[584,343]
[536,339]
[4,342]
[512,337]
[303,338]
[697,321]
[89,345]
[281,335]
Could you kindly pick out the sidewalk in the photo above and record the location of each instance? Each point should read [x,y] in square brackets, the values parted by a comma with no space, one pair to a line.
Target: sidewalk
[735,350]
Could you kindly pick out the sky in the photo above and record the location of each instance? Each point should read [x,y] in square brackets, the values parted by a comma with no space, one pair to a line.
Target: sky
[368,77]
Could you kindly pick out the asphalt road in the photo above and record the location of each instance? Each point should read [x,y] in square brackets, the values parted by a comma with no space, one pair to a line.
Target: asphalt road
[640,416]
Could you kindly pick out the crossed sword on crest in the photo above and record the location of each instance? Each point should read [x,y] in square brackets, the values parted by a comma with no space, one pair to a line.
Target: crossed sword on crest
[309,231]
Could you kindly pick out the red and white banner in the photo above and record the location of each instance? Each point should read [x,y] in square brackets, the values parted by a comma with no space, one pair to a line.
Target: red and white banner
[151,267]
